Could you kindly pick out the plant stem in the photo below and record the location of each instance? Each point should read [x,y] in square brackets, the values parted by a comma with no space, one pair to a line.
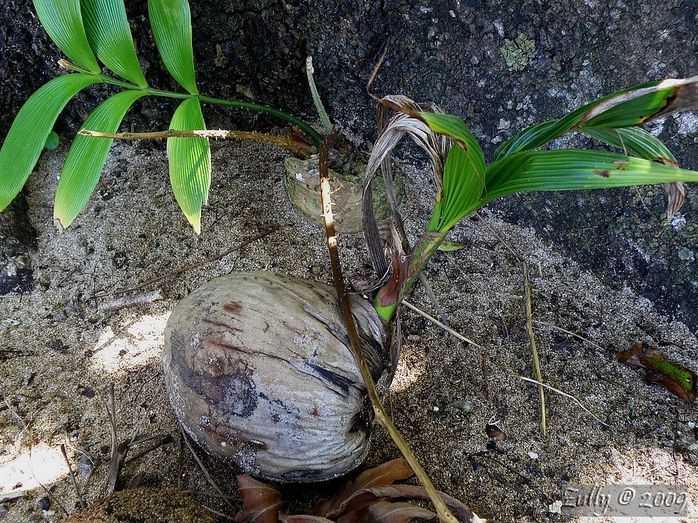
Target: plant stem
[534,351]
[322,113]
[380,413]
[301,149]
[315,136]
[423,251]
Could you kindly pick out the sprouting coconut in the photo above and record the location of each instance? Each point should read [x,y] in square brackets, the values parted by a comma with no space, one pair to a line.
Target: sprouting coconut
[260,373]
[302,182]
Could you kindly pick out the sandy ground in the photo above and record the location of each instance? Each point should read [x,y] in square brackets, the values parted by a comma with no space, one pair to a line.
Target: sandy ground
[61,348]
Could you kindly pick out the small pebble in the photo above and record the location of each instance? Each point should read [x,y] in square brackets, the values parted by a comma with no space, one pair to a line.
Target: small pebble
[465,406]
[43,503]
[555,508]
[533,455]
[535,472]
[85,466]
[494,432]
[88,392]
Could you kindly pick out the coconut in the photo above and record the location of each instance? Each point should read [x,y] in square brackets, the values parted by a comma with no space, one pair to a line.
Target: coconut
[260,373]
[302,181]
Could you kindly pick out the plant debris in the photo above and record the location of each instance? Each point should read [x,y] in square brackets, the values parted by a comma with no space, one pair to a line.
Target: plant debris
[370,497]
[677,379]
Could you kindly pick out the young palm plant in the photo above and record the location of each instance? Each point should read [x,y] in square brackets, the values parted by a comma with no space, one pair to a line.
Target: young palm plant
[465,182]
[93,31]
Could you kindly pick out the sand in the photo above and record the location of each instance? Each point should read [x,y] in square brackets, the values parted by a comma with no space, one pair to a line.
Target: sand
[62,347]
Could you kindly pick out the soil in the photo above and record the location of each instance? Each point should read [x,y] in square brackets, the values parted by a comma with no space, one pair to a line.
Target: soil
[64,341]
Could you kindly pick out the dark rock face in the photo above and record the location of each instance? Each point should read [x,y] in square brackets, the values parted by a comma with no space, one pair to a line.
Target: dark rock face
[16,242]
[498,64]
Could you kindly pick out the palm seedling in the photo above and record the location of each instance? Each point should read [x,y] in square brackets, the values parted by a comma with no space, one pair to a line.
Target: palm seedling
[465,182]
[93,31]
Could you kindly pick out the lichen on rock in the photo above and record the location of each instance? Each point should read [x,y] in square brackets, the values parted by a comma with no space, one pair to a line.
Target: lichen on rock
[518,52]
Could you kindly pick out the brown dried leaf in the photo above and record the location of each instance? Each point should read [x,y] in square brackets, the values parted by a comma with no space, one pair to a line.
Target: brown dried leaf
[462,513]
[386,512]
[385,474]
[676,193]
[365,497]
[380,476]
[677,379]
[262,502]
[404,123]
[304,519]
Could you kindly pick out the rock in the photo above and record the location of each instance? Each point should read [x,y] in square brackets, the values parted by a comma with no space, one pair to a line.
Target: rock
[451,55]
[17,240]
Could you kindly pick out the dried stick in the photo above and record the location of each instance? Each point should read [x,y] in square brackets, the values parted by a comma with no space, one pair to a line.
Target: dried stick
[72,476]
[494,233]
[196,265]
[429,291]
[534,351]
[343,296]
[131,301]
[160,441]
[179,461]
[294,146]
[530,380]
[443,326]
[578,336]
[118,450]
[566,395]
[218,513]
[205,471]
[374,73]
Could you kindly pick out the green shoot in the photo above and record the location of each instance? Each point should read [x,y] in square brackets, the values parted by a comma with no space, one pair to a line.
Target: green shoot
[319,107]
[466,183]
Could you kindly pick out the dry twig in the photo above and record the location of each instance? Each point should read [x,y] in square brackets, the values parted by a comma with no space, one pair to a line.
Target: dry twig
[131,301]
[218,513]
[565,394]
[196,265]
[118,450]
[72,477]
[534,350]
[553,326]
[436,322]
[558,391]
[160,441]
[205,471]
[290,144]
